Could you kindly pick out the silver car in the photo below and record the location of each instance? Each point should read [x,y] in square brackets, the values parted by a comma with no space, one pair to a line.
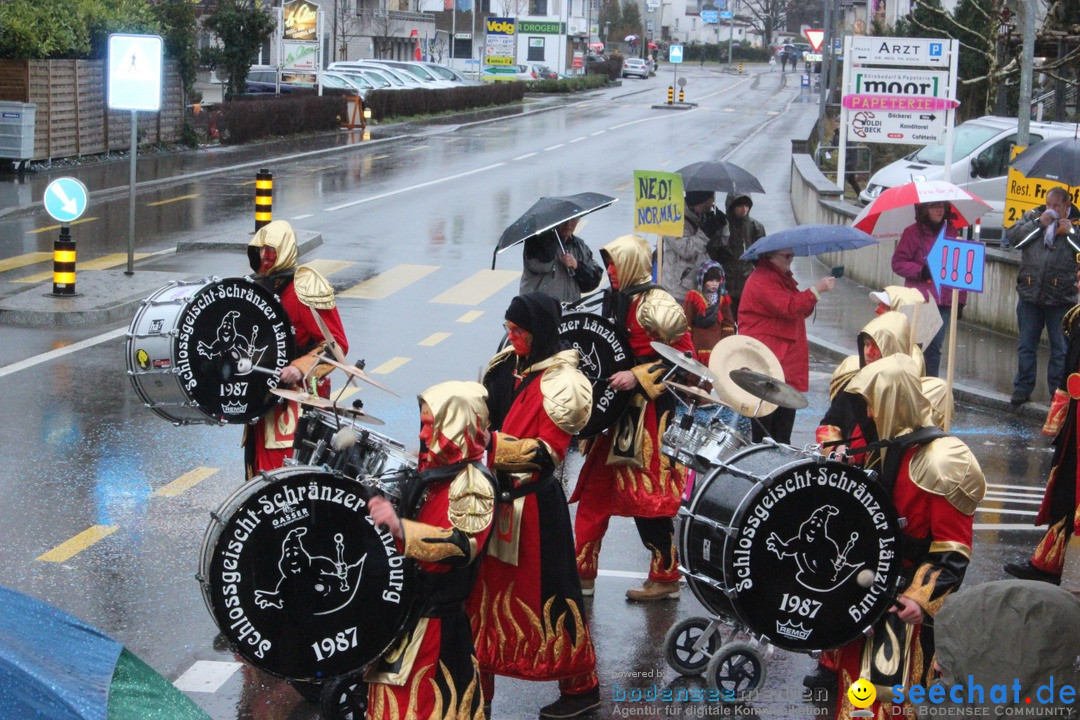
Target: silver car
[635,66]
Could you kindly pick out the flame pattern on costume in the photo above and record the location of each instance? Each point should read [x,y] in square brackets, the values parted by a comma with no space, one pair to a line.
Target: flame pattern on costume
[382,702]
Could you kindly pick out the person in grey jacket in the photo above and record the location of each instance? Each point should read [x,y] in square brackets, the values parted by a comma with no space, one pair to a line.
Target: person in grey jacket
[559,263]
[1048,240]
[683,255]
[741,232]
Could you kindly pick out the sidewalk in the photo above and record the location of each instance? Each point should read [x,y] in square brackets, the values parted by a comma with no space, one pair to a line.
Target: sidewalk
[986,360]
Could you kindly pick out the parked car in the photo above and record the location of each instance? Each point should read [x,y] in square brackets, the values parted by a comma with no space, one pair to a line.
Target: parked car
[376,79]
[265,80]
[637,67]
[341,81]
[507,72]
[448,73]
[980,163]
[542,72]
[397,78]
[416,71]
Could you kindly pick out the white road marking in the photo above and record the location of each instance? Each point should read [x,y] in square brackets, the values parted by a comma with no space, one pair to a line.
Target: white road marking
[623,574]
[651,119]
[1003,511]
[61,352]
[598,132]
[1027,496]
[1006,526]
[302,217]
[526,155]
[1014,487]
[578,139]
[413,187]
[555,147]
[206,676]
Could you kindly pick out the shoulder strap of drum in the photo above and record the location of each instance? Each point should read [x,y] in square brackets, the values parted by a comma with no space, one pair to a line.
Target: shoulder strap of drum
[414,487]
[617,304]
[892,459]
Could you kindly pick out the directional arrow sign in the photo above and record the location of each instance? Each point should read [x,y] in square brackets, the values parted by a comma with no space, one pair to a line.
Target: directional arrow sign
[65,199]
[957,263]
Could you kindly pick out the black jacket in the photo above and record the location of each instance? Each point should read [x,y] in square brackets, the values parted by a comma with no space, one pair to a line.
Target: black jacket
[1047,276]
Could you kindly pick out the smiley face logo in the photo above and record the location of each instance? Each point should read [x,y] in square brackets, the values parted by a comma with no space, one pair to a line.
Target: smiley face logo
[862,693]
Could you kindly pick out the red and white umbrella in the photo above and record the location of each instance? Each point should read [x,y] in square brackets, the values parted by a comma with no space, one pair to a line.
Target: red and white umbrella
[894,209]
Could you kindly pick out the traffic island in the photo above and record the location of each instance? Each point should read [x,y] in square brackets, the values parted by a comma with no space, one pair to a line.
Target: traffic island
[675,106]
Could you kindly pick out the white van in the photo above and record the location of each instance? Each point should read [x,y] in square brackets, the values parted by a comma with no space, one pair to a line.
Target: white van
[981,153]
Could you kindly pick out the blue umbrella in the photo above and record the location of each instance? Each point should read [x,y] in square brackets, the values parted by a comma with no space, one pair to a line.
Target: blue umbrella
[806,240]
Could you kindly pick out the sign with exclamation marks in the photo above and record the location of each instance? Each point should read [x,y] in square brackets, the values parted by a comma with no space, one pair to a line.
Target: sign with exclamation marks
[957,263]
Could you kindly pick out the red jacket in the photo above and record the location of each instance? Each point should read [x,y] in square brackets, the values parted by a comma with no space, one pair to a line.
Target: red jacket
[774,311]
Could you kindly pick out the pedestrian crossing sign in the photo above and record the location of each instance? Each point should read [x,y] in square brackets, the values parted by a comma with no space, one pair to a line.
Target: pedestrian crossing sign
[675,53]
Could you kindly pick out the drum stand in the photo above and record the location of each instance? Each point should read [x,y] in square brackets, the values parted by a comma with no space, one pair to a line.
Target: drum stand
[734,667]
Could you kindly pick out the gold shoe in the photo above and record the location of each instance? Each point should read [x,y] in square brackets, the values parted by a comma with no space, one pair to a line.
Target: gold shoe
[655,591]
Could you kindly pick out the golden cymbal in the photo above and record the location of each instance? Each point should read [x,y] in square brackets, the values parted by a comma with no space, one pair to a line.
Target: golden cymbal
[700,394]
[328,337]
[322,403]
[358,374]
[679,360]
[769,389]
[741,351]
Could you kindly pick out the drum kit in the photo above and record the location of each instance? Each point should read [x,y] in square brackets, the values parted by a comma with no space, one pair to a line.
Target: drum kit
[782,546]
[296,576]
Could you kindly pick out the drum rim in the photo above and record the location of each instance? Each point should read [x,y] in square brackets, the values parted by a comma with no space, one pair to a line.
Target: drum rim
[738,514]
[205,558]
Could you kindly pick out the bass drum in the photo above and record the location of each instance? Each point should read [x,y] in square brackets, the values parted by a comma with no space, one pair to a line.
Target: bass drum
[300,580]
[604,350]
[802,550]
[187,339]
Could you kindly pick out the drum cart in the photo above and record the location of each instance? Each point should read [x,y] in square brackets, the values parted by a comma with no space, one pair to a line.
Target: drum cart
[697,645]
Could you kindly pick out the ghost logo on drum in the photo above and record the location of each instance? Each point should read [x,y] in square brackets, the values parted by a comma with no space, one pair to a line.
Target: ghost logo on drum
[823,566]
[589,362]
[230,343]
[304,576]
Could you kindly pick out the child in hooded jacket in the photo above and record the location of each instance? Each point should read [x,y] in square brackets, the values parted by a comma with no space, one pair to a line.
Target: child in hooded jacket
[708,310]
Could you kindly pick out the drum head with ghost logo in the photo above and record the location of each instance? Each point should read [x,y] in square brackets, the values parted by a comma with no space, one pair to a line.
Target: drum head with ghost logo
[300,580]
[227,324]
[604,350]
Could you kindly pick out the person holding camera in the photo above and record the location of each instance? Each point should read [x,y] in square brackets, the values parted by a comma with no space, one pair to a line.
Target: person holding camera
[1045,285]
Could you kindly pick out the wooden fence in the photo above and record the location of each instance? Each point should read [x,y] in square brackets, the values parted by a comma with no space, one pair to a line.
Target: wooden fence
[72,116]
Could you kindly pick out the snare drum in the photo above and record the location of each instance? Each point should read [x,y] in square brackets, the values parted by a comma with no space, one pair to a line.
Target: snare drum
[361,453]
[185,343]
[298,578]
[701,447]
[800,549]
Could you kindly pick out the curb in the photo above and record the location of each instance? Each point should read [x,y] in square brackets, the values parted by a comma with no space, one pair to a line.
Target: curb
[982,397]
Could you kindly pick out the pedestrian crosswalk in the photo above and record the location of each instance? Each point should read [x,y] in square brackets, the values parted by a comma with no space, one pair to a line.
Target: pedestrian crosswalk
[1009,507]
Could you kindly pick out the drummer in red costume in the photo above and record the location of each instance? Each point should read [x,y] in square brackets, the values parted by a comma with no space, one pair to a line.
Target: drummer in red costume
[526,608]
[936,484]
[632,478]
[432,673]
[272,254]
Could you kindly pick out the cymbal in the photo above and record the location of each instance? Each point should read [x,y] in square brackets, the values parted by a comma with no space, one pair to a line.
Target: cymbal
[326,404]
[700,394]
[679,360]
[358,374]
[328,337]
[769,389]
[741,351]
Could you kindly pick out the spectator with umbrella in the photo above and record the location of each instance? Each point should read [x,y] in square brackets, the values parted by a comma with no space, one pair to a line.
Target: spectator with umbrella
[555,260]
[774,310]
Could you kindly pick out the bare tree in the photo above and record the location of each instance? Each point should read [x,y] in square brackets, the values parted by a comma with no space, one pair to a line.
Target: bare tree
[765,17]
[345,26]
[513,8]
[383,25]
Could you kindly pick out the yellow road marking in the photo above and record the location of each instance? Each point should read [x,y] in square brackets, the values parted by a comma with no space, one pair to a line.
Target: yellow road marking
[77,544]
[329,267]
[390,365]
[340,396]
[172,200]
[23,260]
[185,482]
[101,263]
[415,149]
[434,339]
[380,157]
[47,228]
[324,167]
[386,284]
[470,316]
[624,186]
[249,182]
[479,287]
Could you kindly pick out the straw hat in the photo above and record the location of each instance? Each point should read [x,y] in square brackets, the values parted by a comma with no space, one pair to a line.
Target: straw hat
[740,351]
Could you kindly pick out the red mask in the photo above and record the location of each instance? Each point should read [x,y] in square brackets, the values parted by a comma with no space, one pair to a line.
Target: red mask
[520,340]
[267,256]
[613,276]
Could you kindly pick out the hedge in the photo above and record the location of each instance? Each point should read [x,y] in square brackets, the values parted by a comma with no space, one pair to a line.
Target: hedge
[611,67]
[246,118]
[410,103]
[568,85]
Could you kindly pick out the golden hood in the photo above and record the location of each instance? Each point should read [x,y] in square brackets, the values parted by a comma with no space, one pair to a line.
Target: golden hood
[890,331]
[280,236]
[893,393]
[632,257]
[461,421]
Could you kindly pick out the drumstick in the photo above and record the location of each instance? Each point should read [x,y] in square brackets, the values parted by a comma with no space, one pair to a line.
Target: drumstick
[244,366]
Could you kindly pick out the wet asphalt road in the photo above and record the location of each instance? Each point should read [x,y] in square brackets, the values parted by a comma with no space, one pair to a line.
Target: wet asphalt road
[87,468]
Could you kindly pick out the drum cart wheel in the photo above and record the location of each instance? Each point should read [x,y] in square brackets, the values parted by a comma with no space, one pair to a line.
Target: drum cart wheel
[345,698]
[690,643]
[737,669]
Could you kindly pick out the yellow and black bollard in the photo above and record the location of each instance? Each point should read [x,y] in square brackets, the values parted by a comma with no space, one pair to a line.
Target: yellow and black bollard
[264,198]
[64,263]
[670,95]
[681,95]
[740,68]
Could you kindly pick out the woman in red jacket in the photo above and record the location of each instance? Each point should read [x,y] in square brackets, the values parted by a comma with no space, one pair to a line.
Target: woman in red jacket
[774,311]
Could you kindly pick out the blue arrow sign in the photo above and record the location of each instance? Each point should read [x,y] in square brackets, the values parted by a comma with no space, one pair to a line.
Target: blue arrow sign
[709,16]
[65,199]
[957,263]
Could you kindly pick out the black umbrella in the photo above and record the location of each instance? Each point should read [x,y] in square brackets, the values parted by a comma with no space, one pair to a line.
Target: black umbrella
[545,214]
[718,176]
[1057,160]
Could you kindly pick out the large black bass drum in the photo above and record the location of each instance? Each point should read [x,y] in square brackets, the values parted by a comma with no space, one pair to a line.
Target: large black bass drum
[604,350]
[298,577]
[189,340]
[802,550]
